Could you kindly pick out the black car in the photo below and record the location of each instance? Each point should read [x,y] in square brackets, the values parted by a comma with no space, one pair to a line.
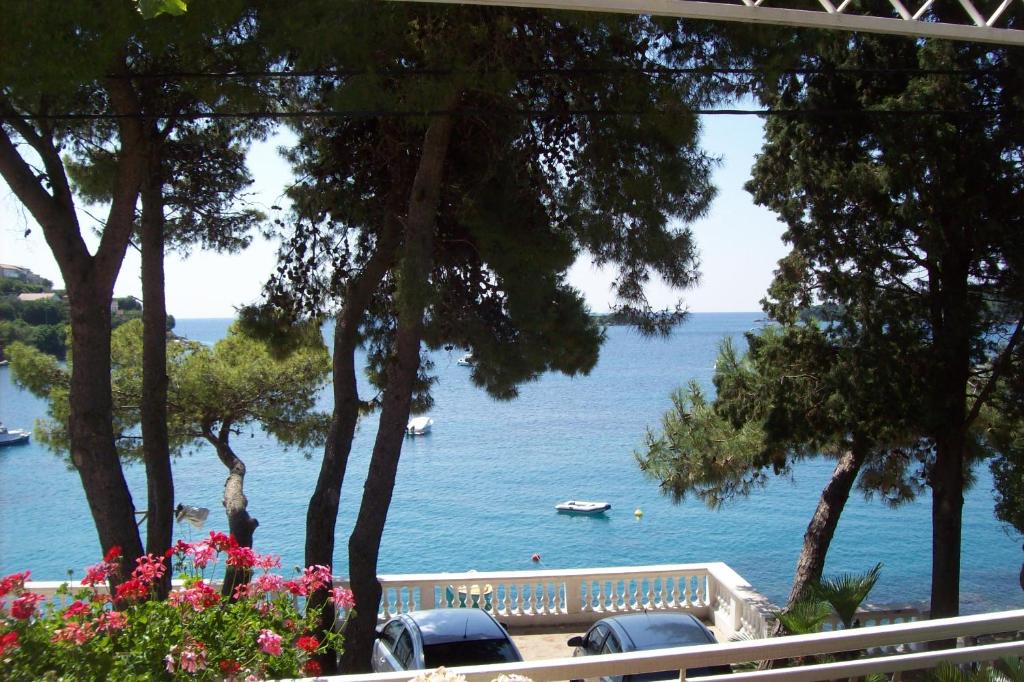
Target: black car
[642,632]
[450,637]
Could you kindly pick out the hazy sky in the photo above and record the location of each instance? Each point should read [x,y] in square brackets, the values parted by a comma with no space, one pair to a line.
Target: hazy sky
[739,243]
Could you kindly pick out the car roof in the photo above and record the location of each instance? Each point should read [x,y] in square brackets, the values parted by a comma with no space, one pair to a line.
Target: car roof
[642,631]
[438,626]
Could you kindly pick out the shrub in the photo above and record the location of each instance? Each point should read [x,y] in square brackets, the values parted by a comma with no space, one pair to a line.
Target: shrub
[193,634]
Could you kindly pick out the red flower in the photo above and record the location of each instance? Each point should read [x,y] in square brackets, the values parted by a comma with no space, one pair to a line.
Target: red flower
[307,643]
[132,589]
[14,581]
[229,666]
[222,542]
[312,668]
[8,641]
[241,557]
[25,605]
[113,555]
[77,608]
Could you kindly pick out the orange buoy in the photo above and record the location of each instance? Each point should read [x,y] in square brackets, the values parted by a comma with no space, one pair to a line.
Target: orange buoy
[535,557]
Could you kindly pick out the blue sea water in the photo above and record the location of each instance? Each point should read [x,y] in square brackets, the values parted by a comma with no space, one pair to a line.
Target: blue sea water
[478,492]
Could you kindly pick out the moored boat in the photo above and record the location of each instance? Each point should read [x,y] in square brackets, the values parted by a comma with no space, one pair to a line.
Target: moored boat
[582,507]
[419,426]
[12,436]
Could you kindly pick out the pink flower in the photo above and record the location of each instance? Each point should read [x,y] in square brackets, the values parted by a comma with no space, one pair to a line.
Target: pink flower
[8,642]
[307,643]
[25,605]
[96,575]
[193,658]
[76,608]
[200,597]
[202,553]
[222,542]
[110,621]
[148,569]
[13,582]
[343,598]
[169,663]
[297,587]
[316,577]
[241,557]
[78,633]
[268,582]
[269,642]
[267,562]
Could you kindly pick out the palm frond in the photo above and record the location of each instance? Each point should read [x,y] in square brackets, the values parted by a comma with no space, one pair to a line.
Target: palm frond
[846,592]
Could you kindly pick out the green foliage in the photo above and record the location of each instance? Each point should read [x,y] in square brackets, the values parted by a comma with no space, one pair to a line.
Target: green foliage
[804,617]
[41,323]
[1004,670]
[11,285]
[846,592]
[237,383]
[150,9]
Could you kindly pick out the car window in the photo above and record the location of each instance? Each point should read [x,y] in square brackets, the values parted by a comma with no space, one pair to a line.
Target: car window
[390,634]
[611,645]
[595,639]
[403,650]
[469,652]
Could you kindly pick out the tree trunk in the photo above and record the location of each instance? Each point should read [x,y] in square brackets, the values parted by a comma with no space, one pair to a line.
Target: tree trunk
[322,515]
[240,524]
[822,527]
[410,299]
[90,428]
[156,451]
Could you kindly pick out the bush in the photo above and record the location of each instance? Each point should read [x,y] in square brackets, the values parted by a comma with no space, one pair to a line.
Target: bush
[193,634]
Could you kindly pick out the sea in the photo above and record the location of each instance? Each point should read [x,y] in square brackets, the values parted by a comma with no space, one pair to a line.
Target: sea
[479,491]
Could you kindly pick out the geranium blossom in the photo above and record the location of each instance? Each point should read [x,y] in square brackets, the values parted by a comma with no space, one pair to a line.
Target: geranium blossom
[268,582]
[77,608]
[13,582]
[229,666]
[193,658]
[269,642]
[131,589]
[343,598]
[202,553]
[312,668]
[148,569]
[77,633]
[241,557]
[200,597]
[110,621]
[307,643]
[25,605]
[8,642]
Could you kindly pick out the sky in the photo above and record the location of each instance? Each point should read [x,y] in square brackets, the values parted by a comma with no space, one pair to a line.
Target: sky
[739,243]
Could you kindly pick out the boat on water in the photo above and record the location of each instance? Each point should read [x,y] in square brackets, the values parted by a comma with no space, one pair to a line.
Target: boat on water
[12,436]
[582,507]
[419,426]
[467,360]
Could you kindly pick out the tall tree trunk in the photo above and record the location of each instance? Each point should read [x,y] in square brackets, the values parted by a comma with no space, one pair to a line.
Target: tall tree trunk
[822,527]
[156,451]
[410,298]
[322,514]
[90,427]
[952,322]
[240,524]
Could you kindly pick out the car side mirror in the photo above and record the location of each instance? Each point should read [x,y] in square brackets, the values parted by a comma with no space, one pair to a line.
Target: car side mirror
[575,641]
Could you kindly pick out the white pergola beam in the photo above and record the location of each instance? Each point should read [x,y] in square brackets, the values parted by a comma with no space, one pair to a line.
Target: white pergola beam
[759,14]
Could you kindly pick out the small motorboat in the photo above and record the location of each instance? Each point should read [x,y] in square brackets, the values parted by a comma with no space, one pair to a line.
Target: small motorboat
[419,426]
[582,507]
[466,360]
[12,436]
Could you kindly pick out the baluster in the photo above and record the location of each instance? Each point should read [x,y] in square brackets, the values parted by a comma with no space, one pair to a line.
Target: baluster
[613,596]
[701,591]
[519,599]
[674,595]
[637,597]
[651,601]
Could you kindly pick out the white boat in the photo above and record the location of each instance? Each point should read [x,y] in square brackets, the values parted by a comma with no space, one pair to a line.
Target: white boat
[467,360]
[582,507]
[419,426]
[12,437]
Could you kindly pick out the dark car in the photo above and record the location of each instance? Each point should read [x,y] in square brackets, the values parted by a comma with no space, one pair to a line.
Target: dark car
[450,637]
[642,632]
